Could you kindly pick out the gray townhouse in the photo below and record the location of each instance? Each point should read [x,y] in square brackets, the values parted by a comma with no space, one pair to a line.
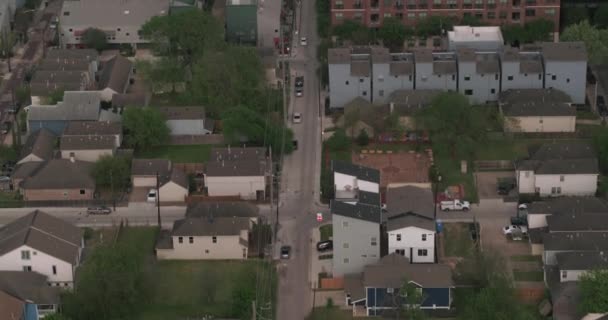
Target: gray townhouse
[478,75]
[436,70]
[349,75]
[566,68]
[521,69]
[391,72]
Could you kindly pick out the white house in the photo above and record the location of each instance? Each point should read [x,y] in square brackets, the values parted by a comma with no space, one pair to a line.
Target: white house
[42,243]
[241,172]
[537,110]
[187,120]
[87,148]
[174,185]
[559,169]
[538,212]
[207,238]
[350,178]
[572,265]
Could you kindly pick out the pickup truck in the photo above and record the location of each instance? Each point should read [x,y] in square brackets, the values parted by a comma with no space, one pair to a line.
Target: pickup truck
[455,205]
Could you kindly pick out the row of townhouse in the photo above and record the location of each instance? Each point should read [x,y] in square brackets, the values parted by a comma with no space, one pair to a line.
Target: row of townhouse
[373,73]
[376,249]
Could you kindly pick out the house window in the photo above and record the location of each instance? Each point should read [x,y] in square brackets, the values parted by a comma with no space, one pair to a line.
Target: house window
[389,290]
[344,224]
[453,77]
[70,30]
[423,252]
[364,93]
[496,76]
[400,251]
[510,78]
[27,268]
[540,77]
[117,29]
[191,239]
[568,80]
[374,241]
[345,245]
[206,251]
[381,93]
[492,90]
[346,260]
[564,274]
[180,239]
[467,78]
[361,80]
[399,237]
[554,77]
[561,178]
[66,13]
[550,12]
[556,190]
[468,92]
[214,239]
[25,255]
[424,237]
[72,154]
[347,82]
[127,34]
[82,191]
[54,269]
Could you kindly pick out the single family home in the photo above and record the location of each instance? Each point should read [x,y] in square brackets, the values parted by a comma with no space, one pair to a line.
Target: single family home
[242,172]
[114,77]
[537,110]
[76,106]
[559,242]
[26,295]
[190,121]
[47,83]
[95,128]
[173,182]
[87,148]
[572,265]
[39,242]
[38,147]
[58,179]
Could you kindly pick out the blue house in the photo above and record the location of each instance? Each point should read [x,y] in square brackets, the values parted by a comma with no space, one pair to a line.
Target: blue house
[76,106]
[376,290]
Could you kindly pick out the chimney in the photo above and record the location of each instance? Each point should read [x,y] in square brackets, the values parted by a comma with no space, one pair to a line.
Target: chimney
[391,107]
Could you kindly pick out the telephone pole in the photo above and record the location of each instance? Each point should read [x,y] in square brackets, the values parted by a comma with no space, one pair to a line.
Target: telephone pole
[158,200]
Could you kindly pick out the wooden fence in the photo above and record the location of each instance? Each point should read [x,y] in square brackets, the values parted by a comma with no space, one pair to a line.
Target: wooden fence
[331,283]
[494,165]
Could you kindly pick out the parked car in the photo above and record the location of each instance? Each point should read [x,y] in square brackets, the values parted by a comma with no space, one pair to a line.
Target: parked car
[99,210]
[325,245]
[303,42]
[455,205]
[510,229]
[297,117]
[299,92]
[601,106]
[11,110]
[285,250]
[295,144]
[5,179]
[299,83]
[505,185]
[6,127]
[151,195]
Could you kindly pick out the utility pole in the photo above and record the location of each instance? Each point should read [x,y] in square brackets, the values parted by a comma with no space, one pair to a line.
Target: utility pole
[112,187]
[158,200]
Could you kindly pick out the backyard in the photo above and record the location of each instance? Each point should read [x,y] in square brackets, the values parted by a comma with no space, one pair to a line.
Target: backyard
[457,241]
[178,153]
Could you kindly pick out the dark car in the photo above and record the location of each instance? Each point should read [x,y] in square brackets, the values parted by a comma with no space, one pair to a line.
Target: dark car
[325,245]
[601,106]
[295,144]
[299,82]
[285,250]
[6,127]
[99,210]
[505,185]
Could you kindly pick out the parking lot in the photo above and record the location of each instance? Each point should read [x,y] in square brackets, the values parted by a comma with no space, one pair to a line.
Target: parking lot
[487,183]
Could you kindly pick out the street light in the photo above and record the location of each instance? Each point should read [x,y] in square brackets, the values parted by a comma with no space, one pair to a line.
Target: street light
[435,187]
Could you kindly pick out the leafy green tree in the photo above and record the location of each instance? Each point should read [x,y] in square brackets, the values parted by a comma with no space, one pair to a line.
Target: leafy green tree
[453,125]
[112,172]
[363,138]
[408,302]
[600,17]
[496,301]
[596,40]
[22,94]
[433,26]
[472,21]
[533,31]
[55,96]
[166,72]
[393,33]
[144,128]
[574,15]
[353,30]
[242,296]
[95,39]
[594,292]
[323,20]
[601,144]
[339,141]
[55,316]
[8,40]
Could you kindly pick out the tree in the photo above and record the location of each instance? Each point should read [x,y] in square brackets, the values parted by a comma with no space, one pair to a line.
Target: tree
[472,21]
[55,316]
[363,138]
[144,128]
[453,125]
[339,141]
[594,292]
[166,72]
[601,144]
[408,301]
[7,42]
[22,94]
[95,39]
[393,33]
[596,40]
[533,31]
[600,18]
[433,26]
[353,30]
[574,15]
[55,96]
[112,172]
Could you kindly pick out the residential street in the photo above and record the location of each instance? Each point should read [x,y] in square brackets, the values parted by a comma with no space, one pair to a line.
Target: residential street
[300,176]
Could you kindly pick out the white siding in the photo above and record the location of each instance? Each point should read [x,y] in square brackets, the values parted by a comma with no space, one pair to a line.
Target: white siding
[172,192]
[341,180]
[352,244]
[187,127]
[526,181]
[203,248]
[537,220]
[573,184]
[245,187]
[571,275]
[411,239]
[540,124]
[30,158]
[40,262]
[344,87]
[144,181]
[86,155]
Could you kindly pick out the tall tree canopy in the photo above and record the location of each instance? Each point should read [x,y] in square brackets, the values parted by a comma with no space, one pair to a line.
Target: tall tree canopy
[394,33]
[596,40]
[594,292]
[112,172]
[144,128]
[95,39]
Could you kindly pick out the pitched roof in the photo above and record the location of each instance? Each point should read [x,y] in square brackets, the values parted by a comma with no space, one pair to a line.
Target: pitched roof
[11,307]
[371,198]
[231,153]
[535,109]
[360,68]
[211,226]
[410,199]
[358,102]
[112,12]
[29,286]
[149,167]
[74,54]
[393,269]
[60,64]
[130,100]
[45,233]
[568,205]
[87,142]
[178,177]
[76,105]
[40,144]
[361,172]
[576,241]
[238,168]
[534,95]
[408,102]
[183,113]
[487,63]
[46,89]
[61,174]
[578,222]
[359,211]
[115,74]
[222,209]
[26,169]
[562,158]
[79,128]
[582,260]
[564,150]
[410,219]
[338,55]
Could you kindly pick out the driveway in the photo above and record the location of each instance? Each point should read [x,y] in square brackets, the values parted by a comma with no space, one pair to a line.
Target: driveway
[487,183]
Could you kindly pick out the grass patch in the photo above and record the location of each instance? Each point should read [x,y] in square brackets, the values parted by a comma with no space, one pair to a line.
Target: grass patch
[327,232]
[586,115]
[527,258]
[10,200]
[99,236]
[534,276]
[179,153]
[324,313]
[457,240]
[451,175]
[326,256]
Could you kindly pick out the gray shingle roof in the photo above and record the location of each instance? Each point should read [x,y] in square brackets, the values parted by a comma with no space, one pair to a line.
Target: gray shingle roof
[370,198]
[392,269]
[74,54]
[576,241]
[410,219]
[582,260]
[231,153]
[29,286]
[45,233]
[40,143]
[115,74]
[535,109]
[565,205]
[572,150]
[87,143]
[183,113]
[562,158]
[408,102]
[149,167]
[360,68]
[210,226]
[76,106]
[397,68]
[60,64]
[243,168]
[564,51]
[536,95]
[338,56]
[410,199]
[45,89]
[111,12]
[222,209]
[359,211]
[79,128]
[361,172]
[129,100]
[578,222]
[26,169]
[61,174]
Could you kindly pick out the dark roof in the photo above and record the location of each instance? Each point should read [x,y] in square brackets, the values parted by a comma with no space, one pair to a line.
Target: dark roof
[73,54]
[582,260]
[409,199]
[183,113]
[408,102]
[29,286]
[149,167]
[46,89]
[423,55]
[41,144]
[359,211]
[487,63]
[564,51]
[61,174]
[26,169]
[338,55]
[76,105]
[242,168]
[578,222]
[130,100]
[564,150]
[360,68]
[535,109]
[79,128]
[566,298]
[178,177]
[371,198]
[444,67]
[568,205]
[56,64]
[536,234]
[534,95]
[45,233]
[115,74]
[222,209]
[353,285]
[231,153]
[576,241]
[212,226]
[466,54]
[87,142]
[361,172]
[380,54]
[397,68]
[11,306]
[562,158]
[409,219]
[392,269]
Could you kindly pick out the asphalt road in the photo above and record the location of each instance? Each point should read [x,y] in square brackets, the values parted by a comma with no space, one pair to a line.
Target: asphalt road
[300,176]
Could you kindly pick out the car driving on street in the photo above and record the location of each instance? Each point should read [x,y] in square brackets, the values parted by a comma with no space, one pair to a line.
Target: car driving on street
[297,117]
[99,210]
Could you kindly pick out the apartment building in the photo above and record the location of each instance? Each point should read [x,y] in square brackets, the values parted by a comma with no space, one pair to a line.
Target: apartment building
[436,70]
[391,72]
[566,68]
[521,70]
[478,75]
[493,12]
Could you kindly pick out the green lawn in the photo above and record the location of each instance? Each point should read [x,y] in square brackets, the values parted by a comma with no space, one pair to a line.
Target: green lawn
[527,258]
[451,175]
[587,115]
[179,154]
[528,275]
[10,200]
[457,240]
[326,232]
